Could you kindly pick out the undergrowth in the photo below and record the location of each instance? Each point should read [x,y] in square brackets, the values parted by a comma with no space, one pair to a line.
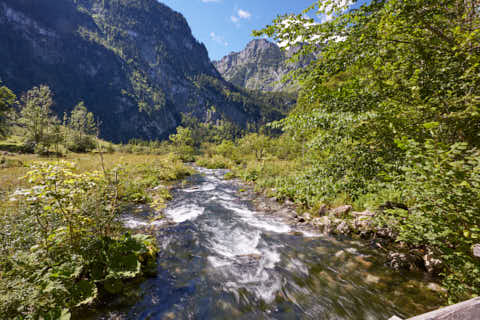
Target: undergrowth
[62,246]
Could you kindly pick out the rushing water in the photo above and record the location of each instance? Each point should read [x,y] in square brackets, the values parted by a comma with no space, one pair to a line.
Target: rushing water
[223,260]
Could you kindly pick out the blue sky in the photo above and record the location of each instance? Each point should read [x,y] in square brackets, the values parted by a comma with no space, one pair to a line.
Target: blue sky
[226,25]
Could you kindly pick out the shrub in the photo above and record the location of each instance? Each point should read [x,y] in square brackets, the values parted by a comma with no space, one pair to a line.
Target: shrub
[441,185]
[61,246]
[214,162]
[81,144]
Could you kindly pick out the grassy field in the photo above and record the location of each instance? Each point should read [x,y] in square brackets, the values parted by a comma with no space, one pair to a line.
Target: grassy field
[145,169]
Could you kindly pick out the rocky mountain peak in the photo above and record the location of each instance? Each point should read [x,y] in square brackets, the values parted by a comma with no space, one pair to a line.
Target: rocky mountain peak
[260,66]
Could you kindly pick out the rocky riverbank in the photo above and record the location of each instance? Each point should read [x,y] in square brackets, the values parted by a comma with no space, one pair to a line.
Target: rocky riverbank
[344,221]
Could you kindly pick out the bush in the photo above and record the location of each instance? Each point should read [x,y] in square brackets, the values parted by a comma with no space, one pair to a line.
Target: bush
[61,246]
[441,186]
[227,149]
[81,144]
[10,163]
[185,153]
[214,162]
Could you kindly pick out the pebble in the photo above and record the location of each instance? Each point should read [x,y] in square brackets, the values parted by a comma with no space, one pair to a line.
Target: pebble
[352,250]
[363,262]
[372,279]
[436,287]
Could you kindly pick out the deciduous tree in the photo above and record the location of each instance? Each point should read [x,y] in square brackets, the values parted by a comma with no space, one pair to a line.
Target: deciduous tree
[7,100]
[36,115]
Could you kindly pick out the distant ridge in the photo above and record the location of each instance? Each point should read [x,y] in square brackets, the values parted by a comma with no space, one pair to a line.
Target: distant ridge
[260,66]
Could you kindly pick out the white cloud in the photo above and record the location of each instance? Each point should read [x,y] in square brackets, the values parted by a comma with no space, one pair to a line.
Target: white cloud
[239,15]
[242,14]
[218,39]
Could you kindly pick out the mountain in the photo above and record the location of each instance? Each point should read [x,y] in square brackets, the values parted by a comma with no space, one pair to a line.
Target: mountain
[134,63]
[260,66]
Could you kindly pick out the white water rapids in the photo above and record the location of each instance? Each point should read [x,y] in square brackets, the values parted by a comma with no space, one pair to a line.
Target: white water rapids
[221,259]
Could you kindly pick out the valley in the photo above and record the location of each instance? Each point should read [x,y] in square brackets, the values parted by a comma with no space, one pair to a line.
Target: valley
[330,169]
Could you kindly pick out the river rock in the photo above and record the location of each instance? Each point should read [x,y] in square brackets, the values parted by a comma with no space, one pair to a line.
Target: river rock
[476,250]
[370,278]
[352,250]
[432,264]
[322,250]
[363,223]
[399,261]
[343,228]
[262,206]
[363,262]
[323,210]
[436,287]
[341,211]
[366,213]
[286,213]
[386,233]
[321,222]
[253,256]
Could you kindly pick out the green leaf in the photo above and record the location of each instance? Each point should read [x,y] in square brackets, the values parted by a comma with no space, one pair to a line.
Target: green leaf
[84,292]
[65,315]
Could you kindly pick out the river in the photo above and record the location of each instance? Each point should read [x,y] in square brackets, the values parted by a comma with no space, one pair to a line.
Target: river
[223,260]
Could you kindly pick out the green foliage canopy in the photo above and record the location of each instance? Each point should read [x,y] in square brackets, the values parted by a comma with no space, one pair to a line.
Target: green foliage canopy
[82,129]
[36,115]
[7,99]
[391,107]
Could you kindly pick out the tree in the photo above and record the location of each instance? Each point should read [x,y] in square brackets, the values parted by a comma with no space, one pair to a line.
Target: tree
[183,137]
[406,63]
[56,135]
[389,75]
[7,100]
[198,131]
[255,143]
[36,115]
[82,129]
[184,142]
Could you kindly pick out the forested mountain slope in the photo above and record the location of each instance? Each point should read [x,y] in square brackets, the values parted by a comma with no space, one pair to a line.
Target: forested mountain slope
[134,63]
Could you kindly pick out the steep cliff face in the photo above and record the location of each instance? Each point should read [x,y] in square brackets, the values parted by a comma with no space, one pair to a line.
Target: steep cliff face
[134,63]
[260,66]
